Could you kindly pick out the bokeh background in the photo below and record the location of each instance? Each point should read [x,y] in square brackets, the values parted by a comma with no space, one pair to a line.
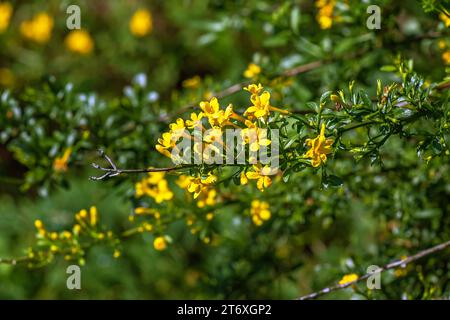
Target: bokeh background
[110,86]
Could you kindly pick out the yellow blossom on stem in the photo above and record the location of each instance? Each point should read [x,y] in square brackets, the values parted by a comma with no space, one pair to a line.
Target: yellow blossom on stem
[254,89]
[252,70]
[259,212]
[141,23]
[260,107]
[195,121]
[243,178]
[319,148]
[60,163]
[79,41]
[167,142]
[38,29]
[5,15]
[254,136]
[200,184]
[348,278]
[261,174]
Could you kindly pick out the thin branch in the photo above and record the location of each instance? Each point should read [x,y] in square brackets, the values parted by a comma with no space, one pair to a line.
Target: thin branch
[115,171]
[391,265]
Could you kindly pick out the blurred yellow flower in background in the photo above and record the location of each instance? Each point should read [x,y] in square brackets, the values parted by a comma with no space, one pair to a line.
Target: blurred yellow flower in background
[38,29]
[5,15]
[6,77]
[445,19]
[192,83]
[260,212]
[325,15]
[60,163]
[446,57]
[160,243]
[252,70]
[79,41]
[141,23]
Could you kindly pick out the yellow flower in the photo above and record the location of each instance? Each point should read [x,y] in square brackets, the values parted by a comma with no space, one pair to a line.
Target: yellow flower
[38,29]
[195,121]
[259,212]
[254,136]
[197,185]
[211,108]
[177,128]
[319,148]
[79,41]
[209,216]
[446,57]
[445,19]
[348,278]
[192,83]
[261,174]
[93,215]
[252,70]
[60,163]
[261,105]
[243,178]
[40,227]
[116,254]
[254,89]
[141,23]
[5,15]
[215,115]
[207,198]
[325,15]
[160,243]
[168,141]
[154,186]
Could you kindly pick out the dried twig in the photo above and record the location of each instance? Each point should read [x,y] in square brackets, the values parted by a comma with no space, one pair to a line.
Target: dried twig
[115,171]
[391,265]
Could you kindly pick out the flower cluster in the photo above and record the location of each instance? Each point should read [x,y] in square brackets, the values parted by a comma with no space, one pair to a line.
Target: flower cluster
[70,243]
[254,126]
[38,29]
[154,186]
[320,146]
[259,212]
[325,15]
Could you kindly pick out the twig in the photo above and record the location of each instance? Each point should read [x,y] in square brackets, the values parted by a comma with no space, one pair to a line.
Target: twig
[114,171]
[391,265]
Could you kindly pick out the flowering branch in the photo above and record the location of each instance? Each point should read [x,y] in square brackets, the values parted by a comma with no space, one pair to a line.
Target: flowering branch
[391,265]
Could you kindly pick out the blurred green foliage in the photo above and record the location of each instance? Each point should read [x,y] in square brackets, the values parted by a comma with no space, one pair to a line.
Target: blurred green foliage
[121,96]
